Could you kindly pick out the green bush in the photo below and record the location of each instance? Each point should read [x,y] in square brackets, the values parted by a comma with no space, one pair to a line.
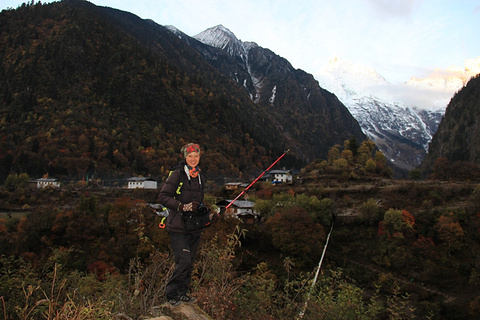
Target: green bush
[15,181]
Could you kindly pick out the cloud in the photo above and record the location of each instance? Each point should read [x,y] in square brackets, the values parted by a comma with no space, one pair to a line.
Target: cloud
[432,98]
[393,8]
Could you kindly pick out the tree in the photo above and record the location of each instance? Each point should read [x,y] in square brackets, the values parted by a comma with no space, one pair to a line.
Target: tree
[380,160]
[347,155]
[393,221]
[333,153]
[295,234]
[450,232]
[415,174]
[370,212]
[352,145]
[15,181]
[341,165]
[440,169]
[370,165]
[367,146]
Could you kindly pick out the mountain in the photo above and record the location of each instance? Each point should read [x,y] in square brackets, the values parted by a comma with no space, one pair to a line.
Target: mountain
[95,91]
[400,118]
[402,132]
[310,119]
[449,80]
[457,140]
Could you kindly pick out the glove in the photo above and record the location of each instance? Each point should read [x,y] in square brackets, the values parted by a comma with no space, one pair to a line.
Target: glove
[189,207]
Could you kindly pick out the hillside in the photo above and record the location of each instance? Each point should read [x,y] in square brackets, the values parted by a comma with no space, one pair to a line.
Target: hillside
[93,91]
[397,247]
[83,95]
[454,152]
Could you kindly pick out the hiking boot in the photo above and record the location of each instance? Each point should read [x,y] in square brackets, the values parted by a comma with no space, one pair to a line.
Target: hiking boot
[174,302]
[187,299]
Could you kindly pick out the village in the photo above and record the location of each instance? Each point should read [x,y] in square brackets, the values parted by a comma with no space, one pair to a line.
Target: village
[241,209]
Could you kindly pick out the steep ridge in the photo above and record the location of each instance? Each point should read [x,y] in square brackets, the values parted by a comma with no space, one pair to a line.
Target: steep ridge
[309,118]
[95,91]
[457,139]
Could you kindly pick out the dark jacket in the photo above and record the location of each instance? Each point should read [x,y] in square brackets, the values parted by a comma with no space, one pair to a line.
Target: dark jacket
[191,190]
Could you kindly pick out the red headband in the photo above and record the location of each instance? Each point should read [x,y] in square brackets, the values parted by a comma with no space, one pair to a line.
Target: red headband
[189,148]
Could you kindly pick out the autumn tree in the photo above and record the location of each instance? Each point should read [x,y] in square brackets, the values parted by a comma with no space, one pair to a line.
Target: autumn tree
[15,181]
[333,153]
[295,234]
[450,232]
[365,151]
[393,221]
[440,169]
[370,212]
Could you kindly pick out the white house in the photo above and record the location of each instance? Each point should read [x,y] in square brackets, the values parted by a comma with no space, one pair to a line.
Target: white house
[279,176]
[241,209]
[47,182]
[232,185]
[141,183]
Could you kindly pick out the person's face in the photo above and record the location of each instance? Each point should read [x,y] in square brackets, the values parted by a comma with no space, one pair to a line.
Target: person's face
[192,159]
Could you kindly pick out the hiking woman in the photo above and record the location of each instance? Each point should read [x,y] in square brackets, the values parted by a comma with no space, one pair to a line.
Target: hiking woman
[183,193]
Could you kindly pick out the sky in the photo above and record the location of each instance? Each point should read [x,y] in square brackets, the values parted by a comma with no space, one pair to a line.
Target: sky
[400,39]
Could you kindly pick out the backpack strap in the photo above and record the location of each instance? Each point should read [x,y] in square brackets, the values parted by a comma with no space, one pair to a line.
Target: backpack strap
[180,184]
[179,188]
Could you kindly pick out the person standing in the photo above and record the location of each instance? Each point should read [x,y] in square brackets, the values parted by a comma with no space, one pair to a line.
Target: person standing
[182,192]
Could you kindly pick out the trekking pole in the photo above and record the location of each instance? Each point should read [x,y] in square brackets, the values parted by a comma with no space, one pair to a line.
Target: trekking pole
[302,312]
[253,182]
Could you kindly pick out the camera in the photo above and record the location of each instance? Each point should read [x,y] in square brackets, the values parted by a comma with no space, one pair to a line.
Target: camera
[201,210]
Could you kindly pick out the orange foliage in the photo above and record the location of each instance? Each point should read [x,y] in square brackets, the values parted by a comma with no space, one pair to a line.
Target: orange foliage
[101,269]
[450,231]
[408,219]
[424,244]
[3,229]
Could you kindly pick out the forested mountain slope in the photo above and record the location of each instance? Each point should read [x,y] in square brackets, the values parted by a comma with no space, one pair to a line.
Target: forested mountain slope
[87,90]
[455,148]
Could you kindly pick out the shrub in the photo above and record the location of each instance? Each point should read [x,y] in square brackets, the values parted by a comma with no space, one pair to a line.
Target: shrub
[295,234]
[370,212]
[15,181]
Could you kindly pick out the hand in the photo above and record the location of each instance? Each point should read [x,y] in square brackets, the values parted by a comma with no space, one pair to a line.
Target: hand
[214,217]
[189,207]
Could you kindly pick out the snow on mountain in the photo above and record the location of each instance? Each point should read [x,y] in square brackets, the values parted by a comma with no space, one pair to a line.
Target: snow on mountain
[401,131]
[221,37]
[400,118]
[297,106]
[450,80]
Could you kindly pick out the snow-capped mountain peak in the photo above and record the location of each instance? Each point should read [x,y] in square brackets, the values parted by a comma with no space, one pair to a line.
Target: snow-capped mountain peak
[223,38]
[400,130]
[356,74]
[217,36]
[450,79]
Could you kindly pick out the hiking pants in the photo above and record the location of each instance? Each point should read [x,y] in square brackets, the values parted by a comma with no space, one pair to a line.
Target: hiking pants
[184,248]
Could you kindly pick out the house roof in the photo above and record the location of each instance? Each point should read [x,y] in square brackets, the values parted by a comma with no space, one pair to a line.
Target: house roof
[140,179]
[280,171]
[238,203]
[46,180]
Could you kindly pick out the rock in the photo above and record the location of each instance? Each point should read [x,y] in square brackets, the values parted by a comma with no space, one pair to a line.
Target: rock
[188,311]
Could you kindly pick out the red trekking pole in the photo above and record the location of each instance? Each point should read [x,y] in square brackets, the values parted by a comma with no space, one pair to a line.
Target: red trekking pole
[253,182]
